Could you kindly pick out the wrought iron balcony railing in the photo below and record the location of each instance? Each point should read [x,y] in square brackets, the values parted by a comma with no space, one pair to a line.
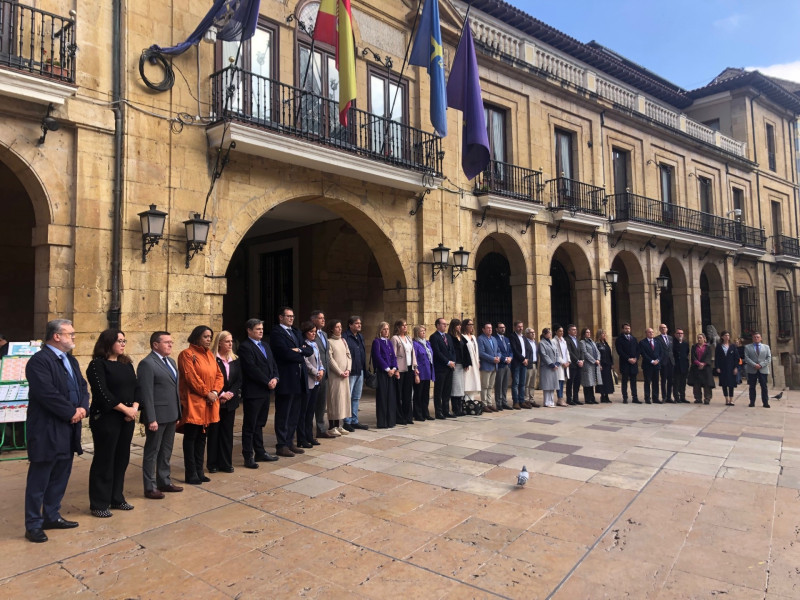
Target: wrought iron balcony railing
[786,246]
[576,196]
[632,207]
[37,42]
[510,181]
[262,102]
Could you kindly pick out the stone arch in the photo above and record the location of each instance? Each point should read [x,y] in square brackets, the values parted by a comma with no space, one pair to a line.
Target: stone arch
[582,309]
[492,302]
[673,304]
[34,185]
[714,299]
[628,297]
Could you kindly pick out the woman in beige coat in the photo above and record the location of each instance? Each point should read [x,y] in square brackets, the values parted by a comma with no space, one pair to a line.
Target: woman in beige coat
[339,363]
[407,366]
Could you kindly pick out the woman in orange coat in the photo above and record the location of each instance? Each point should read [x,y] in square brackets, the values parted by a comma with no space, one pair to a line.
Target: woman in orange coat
[199,384]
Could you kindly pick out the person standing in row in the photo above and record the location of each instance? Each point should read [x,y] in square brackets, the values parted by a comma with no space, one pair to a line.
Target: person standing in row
[606,387]
[726,366]
[199,385]
[57,403]
[489,356]
[563,372]
[628,351]
[591,375]
[340,362]
[680,352]
[533,368]
[651,365]
[521,353]
[463,363]
[385,362]
[472,377]
[358,352]
[290,352]
[403,347]
[422,381]
[444,362]
[321,340]
[503,378]
[700,376]
[112,417]
[666,341]
[549,365]
[259,377]
[219,456]
[575,366]
[757,360]
[157,391]
[314,373]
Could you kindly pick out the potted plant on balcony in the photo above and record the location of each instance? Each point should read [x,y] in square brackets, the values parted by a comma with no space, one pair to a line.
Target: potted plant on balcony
[53,66]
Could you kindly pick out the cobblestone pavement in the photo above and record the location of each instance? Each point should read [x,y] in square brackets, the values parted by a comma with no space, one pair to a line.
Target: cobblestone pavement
[624,501]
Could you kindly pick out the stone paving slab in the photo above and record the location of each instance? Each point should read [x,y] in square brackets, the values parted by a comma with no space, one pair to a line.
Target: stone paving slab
[623,501]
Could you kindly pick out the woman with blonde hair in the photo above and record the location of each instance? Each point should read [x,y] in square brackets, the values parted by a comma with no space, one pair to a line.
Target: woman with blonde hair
[219,454]
[385,361]
[403,347]
[606,387]
[339,362]
[425,374]
[472,376]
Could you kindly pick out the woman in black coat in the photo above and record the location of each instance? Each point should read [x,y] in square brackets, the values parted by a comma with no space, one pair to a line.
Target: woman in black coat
[726,366]
[606,387]
[112,417]
[220,434]
[700,376]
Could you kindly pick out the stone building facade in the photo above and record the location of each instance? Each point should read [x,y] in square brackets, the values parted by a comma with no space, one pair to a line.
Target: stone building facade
[598,165]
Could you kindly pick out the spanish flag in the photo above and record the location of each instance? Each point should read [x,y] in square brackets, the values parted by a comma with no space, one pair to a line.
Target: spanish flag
[334,26]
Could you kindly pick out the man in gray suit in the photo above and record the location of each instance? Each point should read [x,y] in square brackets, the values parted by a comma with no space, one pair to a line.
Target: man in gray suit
[320,410]
[161,409]
[757,359]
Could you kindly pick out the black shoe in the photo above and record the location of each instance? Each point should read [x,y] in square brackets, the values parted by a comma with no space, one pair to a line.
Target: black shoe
[506,406]
[229,469]
[624,400]
[249,463]
[657,402]
[647,401]
[212,469]
[266,457]
[430,418]
[685,401]
[123,506]
[635,401]
[195,481]
[450,416]
[766,406]
[669,401]
[437,416]
[61,523]
[577,403]
[37,536]
[700,402]
[362,426]
[204,479]
[101,513]
[751,405]
[306,445]
[348,427]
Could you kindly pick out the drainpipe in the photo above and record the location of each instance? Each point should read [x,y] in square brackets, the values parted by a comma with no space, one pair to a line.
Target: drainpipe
[114,311]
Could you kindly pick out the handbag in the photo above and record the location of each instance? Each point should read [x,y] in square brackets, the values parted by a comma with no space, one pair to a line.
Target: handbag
[370,376]
[615,377]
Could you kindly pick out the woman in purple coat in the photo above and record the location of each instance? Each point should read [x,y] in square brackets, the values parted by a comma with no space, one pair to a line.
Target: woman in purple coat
[422,382]
[385,362]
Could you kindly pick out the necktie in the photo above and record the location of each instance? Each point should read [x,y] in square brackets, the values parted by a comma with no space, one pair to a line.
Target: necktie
[169,367]
[628,337]
[665,340]
[261,347]
[444,335]
[758,346]
[652,345]
[67,366]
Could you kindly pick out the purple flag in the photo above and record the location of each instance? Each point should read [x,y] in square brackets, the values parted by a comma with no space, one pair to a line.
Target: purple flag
[464,94]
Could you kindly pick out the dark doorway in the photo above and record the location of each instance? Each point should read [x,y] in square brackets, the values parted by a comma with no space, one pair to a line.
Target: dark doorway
[666,301]
[560,295]
[493,290]
[705,302]
[276,279]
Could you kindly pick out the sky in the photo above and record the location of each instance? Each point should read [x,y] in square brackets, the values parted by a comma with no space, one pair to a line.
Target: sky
[688,42]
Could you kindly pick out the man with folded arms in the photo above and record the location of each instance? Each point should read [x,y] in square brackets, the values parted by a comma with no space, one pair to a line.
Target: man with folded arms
[58,401]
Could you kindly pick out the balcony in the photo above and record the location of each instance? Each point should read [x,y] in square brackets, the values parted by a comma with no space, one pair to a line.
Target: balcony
[509,188]
[37,54]
[278,121]
[786,249]
[646,216]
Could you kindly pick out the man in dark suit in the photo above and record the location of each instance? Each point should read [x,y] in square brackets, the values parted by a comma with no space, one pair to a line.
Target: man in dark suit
[680,355]
[259,376]
[503,377]
[575,366]
[289,352]
[320,410]
[58,401]
[665,342]
[444,362]
[628,350]
[157,390]
[651,365]
[521,355]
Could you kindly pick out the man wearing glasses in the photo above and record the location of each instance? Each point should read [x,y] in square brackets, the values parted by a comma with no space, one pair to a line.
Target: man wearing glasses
[58,401]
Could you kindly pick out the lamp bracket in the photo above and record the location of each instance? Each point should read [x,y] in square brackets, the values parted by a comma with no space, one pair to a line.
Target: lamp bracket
[558,228]
[483,217]
[669,243]
[420,201]
[618,240]
[648,244]
[594,234]
[528,224]
[704,254]
[689,251]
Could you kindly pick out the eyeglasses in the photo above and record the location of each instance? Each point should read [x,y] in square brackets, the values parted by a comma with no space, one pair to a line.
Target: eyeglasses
[72,335]
[289,316]
[123,342]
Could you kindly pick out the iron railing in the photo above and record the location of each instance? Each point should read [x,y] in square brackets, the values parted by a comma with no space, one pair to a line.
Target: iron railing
[632,207]
[511,181]
[37,41]
[576,196]
[262,102]
[786,246]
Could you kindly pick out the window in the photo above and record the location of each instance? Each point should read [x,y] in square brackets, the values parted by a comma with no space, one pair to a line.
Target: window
[496,130]
[254,88]
[621,160]
[777,228]
[319,110]
[667,191]
[748,311]
[771,147]
[388,101]
[784,299]
[706,195]
[738,203]
[564,155]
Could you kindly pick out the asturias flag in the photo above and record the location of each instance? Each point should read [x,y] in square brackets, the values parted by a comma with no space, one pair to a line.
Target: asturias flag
[235,21]
[334,26]
[464,94]
[427,52]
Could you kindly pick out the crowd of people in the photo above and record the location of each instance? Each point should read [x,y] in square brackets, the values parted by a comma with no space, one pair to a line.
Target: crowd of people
[316,373]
